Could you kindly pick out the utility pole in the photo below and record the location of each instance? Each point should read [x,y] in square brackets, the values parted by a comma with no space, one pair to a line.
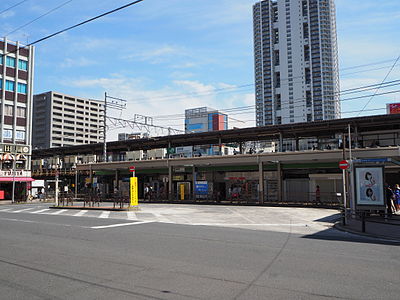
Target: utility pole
[13,183]
[105,128]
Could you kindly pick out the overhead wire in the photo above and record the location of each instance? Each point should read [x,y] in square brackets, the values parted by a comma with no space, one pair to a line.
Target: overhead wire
[38,18]
[79,24]
[12,6]
[379,87]
[297,100]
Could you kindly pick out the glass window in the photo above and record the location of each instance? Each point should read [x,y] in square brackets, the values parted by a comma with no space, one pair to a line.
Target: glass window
[22,88]
[21,112]
[7,133]
[8,110]
[20,135]
[10,62]
[10,86]
[1,83]
[1,59]
[23,65]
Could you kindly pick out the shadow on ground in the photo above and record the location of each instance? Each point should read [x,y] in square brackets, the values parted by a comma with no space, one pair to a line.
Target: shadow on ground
[332,234]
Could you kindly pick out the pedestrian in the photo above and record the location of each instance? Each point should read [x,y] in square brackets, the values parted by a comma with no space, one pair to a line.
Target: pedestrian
[389,199]
[318,195]
[397,198]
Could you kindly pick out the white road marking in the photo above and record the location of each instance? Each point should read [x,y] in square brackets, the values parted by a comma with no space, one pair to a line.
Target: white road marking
[252,224]
[131,215]
[240,215]
[120,225]
[104,215]
[21,210]
[39,211]
[162,218]
[59,212]
[5,209]
[80,213]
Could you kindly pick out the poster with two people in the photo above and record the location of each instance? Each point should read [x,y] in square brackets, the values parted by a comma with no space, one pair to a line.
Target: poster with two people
[369,184]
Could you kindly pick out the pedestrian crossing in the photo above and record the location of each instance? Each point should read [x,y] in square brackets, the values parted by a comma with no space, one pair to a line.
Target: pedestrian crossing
[121,215]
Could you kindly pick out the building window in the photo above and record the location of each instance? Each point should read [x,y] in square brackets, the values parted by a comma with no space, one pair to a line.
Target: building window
[8,110]
[21,112]
[1,83]
[23,65]
[7,134]
[1,59]
[10,62]
[10,86]
[20,135]
[22,88]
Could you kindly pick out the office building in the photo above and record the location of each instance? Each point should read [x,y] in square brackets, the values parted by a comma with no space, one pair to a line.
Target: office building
[296,61]
[204,119]
[16,85]
[61,120]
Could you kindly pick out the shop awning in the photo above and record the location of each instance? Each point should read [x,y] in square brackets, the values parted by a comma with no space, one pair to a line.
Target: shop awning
[18,179]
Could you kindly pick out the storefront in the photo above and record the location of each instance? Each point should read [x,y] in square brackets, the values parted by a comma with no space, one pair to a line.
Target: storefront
[14,176]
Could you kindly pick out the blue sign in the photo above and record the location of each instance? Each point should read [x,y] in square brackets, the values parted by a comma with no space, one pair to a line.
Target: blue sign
[201,187]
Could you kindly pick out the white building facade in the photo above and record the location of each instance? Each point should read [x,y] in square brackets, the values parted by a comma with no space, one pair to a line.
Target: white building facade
[296,61]
[16,86]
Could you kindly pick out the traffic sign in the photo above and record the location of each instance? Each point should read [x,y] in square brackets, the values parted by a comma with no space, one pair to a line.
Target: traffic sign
[344,165]
[132,169]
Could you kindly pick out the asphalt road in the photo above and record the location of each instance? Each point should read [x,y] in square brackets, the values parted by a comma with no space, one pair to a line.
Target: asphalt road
[75,255]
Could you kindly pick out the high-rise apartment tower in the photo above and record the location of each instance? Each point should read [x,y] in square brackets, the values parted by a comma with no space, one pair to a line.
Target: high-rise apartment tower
[296,61]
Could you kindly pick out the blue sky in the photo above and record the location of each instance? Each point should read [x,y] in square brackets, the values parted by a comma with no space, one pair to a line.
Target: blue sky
[166,56]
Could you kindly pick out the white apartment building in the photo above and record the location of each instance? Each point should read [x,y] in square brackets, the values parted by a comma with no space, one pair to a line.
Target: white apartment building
[61,120]
[296,61]
[16,86]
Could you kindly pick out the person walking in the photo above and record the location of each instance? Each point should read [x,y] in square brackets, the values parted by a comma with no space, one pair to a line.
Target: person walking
[389,199]
[397,198]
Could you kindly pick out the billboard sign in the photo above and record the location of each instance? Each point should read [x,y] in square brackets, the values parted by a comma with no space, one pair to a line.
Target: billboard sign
[369,187]
[393,108]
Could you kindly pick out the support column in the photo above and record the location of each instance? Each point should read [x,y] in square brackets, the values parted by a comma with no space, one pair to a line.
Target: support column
[280,142]
[170,184]
[261,195]
[297,147]
[116,179]
[220,146]
[91,176]
[193,182]
[280,182]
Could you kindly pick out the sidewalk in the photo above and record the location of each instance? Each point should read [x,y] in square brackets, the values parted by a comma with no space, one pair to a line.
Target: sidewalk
[374,226]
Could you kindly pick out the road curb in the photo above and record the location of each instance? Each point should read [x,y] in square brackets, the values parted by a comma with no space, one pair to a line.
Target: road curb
[95,208]
[340,227]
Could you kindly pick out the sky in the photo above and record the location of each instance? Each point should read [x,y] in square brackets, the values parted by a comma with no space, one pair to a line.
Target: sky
[167,56]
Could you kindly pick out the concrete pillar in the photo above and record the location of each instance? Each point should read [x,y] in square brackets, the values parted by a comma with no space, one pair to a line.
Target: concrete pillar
[170,184]
[116,179]
[280,182]
[220,146]
[297,146]
[261,182]
[193,182]
[280,142]
[91,176]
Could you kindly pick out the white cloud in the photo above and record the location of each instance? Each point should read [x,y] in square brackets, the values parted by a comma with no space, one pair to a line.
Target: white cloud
[77,62]
[7,14]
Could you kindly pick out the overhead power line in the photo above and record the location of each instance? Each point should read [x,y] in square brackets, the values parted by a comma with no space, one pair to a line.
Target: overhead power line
[343,92]
[38,18]
[11,7]
[80,24]
[379,87]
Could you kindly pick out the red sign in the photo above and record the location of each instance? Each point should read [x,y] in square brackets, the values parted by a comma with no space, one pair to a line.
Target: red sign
[131,169]
[344,165]
[393,108]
